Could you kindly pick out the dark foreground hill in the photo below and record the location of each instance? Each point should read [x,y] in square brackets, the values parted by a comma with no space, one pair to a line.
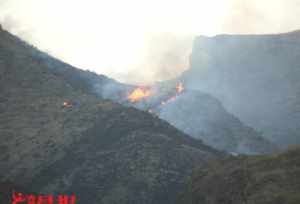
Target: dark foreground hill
[57,137]
[255,76]
[247,180]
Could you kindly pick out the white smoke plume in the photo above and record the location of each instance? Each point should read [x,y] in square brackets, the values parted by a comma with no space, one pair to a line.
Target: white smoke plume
[138,41]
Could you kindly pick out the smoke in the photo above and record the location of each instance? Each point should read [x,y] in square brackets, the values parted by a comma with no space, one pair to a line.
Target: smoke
[165,56]
[137,41]
[170,53]
[259,17]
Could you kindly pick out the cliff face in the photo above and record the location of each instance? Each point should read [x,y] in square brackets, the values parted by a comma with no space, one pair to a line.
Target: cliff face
[251,180]
[57,137]
[256,78]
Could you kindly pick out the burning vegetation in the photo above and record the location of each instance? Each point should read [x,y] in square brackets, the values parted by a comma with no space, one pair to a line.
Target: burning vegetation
[144,93]
[179,88]
[70,104]
[139,94]
[67,104]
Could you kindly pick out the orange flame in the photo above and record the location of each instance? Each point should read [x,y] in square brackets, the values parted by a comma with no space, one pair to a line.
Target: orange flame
[67,104]
[139,94]
[179,88]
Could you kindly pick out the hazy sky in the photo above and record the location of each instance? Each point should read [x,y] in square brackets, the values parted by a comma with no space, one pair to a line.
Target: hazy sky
[138,40]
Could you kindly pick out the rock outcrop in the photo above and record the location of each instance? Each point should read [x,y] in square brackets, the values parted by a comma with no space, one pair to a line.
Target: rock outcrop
[255,76]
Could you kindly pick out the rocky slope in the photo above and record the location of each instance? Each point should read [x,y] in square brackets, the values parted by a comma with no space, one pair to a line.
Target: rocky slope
[57,137]
[195,113]
[255,76]
[199,115]
[204,117]
[250,180]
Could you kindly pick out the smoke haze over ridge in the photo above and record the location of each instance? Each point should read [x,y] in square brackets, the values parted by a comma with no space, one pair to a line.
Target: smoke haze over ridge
[138,41]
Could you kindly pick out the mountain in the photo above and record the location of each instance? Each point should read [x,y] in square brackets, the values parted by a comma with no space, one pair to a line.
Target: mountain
[204,117]
[270,179]
[198,114]
[58,137]
[255,76]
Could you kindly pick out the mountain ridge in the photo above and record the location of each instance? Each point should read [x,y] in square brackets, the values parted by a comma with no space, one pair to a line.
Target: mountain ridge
[255,77]
[56,137]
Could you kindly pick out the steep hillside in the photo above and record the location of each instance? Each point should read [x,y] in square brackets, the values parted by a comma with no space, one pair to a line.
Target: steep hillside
[209,120]
[199,115]
[250,180]
[255,76]
[204,117]
[57,137]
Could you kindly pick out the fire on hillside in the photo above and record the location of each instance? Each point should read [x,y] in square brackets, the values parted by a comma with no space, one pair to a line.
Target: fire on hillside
[144,93]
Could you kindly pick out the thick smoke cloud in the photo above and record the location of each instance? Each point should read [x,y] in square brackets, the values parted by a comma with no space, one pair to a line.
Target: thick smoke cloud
[166,56]
[266,16]
[138,41]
